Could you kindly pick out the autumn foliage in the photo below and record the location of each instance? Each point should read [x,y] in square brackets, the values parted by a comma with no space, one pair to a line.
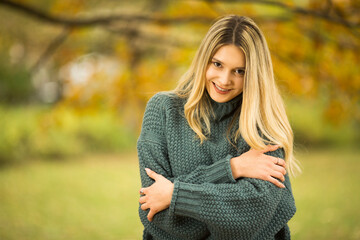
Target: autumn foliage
[92,55]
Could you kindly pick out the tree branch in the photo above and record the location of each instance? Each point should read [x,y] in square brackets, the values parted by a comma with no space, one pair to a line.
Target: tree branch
[50,50]
[104,20]
[298,10]
[151,39]
[99,20]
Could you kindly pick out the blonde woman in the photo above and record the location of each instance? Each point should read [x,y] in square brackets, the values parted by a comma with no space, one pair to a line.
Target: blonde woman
[215,153]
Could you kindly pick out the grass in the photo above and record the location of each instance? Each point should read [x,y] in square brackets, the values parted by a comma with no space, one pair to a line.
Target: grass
[327,195]
[96,198]
[91,199]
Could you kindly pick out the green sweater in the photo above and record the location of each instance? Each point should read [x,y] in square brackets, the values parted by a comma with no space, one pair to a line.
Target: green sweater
[207,202]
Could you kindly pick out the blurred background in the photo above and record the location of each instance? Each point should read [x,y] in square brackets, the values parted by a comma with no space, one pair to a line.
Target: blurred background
[75,77]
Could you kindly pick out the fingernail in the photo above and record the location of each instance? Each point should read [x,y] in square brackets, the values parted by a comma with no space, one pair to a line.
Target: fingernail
[147,170]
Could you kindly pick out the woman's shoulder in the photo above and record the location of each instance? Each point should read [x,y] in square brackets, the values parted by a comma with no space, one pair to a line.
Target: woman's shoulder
[158,109]
[166,101]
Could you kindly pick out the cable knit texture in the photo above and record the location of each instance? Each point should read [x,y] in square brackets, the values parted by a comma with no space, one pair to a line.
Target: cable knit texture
[207,202]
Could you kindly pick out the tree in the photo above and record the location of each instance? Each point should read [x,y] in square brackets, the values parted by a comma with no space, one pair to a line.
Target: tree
[314,45]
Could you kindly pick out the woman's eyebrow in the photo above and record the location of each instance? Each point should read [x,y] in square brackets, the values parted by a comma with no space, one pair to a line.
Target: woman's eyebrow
[217,60]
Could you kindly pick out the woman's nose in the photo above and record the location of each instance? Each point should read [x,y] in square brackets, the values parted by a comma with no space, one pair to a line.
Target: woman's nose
[225,78]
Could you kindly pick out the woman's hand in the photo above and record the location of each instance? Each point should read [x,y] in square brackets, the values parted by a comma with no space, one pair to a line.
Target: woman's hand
[158,196]
[255,164]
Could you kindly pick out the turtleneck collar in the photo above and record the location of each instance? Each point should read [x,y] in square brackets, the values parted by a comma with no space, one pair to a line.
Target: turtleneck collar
[223,110]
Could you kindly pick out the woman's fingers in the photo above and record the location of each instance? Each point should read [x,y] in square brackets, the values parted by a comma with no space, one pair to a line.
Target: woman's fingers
[156,197]
[144,206]
[280,169]
[151,214]
[270,148]
[276,182]
[279,161]
[257,164]
[142,200]
[278,175]
[152,174]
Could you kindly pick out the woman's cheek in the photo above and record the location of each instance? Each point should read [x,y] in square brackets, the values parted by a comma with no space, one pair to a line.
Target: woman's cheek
[210,73]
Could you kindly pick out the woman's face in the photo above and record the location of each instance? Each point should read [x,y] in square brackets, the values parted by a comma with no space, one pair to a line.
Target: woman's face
[225,73]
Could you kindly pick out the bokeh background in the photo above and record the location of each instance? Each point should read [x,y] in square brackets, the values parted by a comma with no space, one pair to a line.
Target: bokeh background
[75,76]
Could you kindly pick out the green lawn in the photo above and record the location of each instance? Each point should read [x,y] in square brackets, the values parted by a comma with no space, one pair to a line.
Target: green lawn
[327,196]
[96,198]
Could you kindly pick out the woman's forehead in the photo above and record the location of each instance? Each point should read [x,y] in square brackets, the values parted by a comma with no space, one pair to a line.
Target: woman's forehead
[231,56]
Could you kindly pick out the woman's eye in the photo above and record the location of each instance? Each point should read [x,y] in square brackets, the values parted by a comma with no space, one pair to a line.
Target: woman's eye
[240,71]
[216,64]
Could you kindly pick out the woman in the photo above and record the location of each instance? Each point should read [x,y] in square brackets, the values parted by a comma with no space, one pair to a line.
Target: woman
[211,151]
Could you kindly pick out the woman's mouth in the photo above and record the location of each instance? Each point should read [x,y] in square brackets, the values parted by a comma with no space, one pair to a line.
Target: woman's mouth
[220,90]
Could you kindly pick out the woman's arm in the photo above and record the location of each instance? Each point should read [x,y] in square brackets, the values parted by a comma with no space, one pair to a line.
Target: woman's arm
[158,196]
[230,210]
[252,164]
[246,207]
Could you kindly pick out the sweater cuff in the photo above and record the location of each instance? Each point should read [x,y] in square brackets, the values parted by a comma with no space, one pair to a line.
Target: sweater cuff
[186,199]
[220,172]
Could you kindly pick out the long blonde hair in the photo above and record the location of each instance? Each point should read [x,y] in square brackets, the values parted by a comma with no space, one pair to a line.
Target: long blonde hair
[263,119]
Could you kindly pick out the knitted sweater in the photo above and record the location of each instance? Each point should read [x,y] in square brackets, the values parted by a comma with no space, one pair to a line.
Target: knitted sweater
[207,202]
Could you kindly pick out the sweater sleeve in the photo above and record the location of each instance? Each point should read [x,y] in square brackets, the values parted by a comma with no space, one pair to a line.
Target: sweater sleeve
[152,153]
[250,208]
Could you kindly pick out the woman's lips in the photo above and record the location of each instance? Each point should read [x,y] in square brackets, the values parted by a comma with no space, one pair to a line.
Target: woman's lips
[220,90]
